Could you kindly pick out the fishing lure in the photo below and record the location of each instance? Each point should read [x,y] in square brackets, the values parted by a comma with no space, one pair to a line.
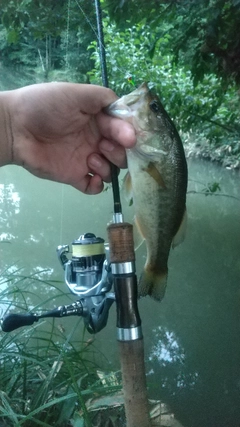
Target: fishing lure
[131,80]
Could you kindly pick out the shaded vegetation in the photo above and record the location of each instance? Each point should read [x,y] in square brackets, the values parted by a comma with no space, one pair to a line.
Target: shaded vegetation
[204,35]
[39,39]
[190,50]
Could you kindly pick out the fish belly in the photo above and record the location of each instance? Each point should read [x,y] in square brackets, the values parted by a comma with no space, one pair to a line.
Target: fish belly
[154,211]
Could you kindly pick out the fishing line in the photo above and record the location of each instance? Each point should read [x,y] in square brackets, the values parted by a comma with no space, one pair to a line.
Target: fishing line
[123,71]
[67,34]
[61,214]
[87,19]
[101,44]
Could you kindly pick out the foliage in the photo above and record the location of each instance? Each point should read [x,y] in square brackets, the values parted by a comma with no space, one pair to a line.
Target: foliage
[48,37]
[203,34]
[46,378]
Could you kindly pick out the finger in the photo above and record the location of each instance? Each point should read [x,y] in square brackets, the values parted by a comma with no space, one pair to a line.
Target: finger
[99,166]
[93,98]
[115,153]
[90,184]
[117,130]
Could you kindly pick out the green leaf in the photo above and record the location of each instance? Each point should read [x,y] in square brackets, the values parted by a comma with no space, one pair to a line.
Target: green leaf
[12,36]
[6,19]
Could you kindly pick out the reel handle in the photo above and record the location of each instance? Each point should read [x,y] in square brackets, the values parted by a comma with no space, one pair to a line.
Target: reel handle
[14,321]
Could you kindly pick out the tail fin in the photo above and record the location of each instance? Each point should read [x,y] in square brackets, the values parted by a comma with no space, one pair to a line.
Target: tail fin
[153,284]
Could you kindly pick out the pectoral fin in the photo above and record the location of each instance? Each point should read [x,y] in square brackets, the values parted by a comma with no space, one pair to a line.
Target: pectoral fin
[138,236]
[127,188]
[155,174]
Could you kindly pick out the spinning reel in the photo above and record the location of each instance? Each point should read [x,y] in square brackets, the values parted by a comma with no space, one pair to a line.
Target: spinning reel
[88,275]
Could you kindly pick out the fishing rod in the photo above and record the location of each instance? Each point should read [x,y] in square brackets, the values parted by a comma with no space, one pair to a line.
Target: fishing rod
[114,170]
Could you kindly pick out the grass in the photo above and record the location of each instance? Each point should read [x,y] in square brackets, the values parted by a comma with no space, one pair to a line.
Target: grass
[43,385]
[45,377]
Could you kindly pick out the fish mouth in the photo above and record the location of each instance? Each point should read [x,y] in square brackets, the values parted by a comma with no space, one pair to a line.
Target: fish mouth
[123,107]
[118,109]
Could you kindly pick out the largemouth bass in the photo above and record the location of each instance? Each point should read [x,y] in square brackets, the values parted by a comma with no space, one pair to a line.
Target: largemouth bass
[157,182]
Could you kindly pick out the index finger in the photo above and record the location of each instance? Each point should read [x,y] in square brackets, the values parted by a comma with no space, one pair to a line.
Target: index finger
[93,98]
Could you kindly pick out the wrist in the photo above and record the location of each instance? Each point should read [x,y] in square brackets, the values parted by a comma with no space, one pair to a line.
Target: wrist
[6,136]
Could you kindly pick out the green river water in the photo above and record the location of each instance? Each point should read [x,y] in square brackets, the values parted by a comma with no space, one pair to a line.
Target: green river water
[192,339]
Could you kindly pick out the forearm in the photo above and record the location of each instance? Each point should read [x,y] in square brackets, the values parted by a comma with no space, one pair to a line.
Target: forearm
[6,137]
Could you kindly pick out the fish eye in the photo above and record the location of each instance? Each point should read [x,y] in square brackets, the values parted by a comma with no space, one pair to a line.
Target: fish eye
[154,106]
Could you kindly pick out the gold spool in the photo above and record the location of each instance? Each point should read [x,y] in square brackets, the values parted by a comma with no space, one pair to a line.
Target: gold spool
[79,251]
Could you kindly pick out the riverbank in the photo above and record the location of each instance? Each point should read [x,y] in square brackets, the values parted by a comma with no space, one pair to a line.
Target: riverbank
[197,147]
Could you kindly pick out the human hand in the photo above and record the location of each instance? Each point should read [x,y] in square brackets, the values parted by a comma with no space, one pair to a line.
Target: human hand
[58,131]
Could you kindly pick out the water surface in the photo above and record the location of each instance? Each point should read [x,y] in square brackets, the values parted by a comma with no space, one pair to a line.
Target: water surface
[192,338]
